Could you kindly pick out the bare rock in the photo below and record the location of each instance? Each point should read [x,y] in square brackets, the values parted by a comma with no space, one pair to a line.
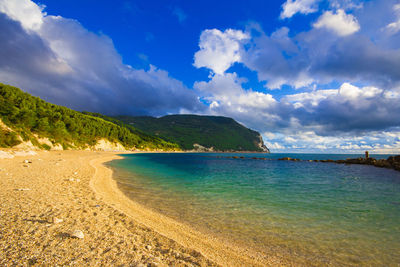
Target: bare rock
[78,234]
[57,220]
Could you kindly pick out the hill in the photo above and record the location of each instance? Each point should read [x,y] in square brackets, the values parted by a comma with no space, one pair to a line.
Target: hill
[200,132]
[29,119]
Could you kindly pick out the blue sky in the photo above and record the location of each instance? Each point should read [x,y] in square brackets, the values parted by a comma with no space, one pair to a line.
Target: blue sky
[146,32]
[309,75]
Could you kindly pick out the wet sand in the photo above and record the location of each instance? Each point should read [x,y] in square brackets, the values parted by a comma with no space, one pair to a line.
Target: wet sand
[47,197]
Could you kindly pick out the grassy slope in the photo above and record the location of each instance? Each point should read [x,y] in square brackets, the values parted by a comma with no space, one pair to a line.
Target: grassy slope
[224,134]
[28,115]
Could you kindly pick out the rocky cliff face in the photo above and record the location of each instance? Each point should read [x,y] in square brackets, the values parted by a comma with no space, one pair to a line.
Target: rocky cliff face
[261,144]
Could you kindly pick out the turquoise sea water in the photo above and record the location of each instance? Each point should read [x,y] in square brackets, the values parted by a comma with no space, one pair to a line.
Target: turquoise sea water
[310,212]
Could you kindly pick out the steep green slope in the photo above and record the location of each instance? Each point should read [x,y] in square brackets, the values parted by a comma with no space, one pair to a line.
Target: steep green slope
[144,136]
[221,133]
[29,116]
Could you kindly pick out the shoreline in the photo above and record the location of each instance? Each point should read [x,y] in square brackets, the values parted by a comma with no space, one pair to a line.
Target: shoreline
[48,196]
[218,251]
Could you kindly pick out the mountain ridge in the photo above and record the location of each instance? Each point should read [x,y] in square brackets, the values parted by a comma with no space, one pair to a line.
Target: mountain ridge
[204,132]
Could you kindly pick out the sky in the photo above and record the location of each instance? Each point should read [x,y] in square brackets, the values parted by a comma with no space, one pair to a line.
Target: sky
[312,76]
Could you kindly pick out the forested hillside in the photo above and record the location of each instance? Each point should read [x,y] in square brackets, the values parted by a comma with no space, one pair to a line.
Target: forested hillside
[219,133]
[29,117]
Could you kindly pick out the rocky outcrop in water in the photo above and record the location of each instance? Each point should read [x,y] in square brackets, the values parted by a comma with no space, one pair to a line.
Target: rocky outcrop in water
[392,162]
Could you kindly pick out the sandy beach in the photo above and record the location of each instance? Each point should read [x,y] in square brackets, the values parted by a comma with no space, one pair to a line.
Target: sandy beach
[64,208]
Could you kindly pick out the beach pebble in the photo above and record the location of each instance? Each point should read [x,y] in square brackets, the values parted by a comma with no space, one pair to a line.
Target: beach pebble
[27,161]
[25,165]
[77,234]
[75,173]
[148,247]
[57,220]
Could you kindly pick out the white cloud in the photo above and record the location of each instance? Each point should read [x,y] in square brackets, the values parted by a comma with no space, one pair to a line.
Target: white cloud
[291,7]
[352,92]
[226,90]
[309,99]
[394,27]
[346,4]
[27,12]
[340,23]
[219,50]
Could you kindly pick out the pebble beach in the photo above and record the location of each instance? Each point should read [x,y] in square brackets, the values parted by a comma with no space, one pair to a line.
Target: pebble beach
[50,215]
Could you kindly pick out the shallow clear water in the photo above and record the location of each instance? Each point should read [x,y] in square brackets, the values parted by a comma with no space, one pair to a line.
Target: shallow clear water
[321,213]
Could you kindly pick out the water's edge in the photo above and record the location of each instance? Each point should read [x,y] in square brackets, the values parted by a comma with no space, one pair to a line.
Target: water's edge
[157,200]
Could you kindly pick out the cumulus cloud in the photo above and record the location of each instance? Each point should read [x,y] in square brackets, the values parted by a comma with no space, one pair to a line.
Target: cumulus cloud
[277,59]
[320,56]
[64,63]
[362,61]
[292,7]
[219,50]
[27,12]
[329,119]
[340,23]
[346,109]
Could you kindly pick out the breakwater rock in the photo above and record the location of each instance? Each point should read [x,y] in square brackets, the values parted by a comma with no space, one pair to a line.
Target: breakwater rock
[392,162]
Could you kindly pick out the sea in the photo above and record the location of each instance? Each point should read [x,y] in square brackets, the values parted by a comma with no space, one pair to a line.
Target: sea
[310,212]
